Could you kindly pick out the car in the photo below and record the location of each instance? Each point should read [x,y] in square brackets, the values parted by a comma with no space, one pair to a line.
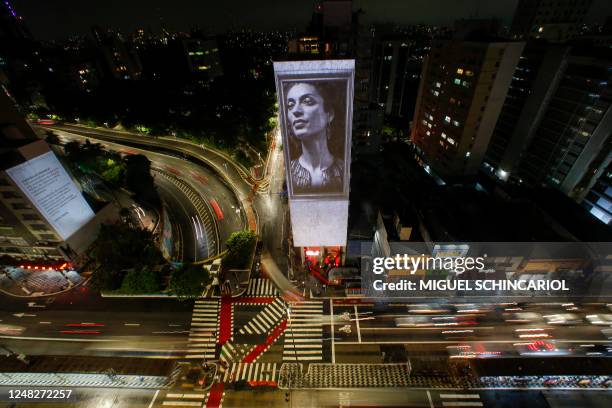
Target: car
[11,330]
[533,333]
[522,317]
[563,319]
[541,348]
[604,319]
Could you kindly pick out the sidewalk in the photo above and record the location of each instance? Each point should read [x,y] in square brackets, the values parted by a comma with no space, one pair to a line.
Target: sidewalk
[20,282]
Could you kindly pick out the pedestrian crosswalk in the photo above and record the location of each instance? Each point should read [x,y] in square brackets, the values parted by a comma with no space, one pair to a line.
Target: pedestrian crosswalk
[33,379]
[234,352]
[304,333]
[261,373]
[203,333]
[194,399]
[261,287]
[265,320]
[460,400]
[345,375]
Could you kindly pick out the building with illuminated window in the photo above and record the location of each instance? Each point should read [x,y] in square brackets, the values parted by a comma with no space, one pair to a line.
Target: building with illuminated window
[119,58]
[43,214]
[203,57]
[562,125]
[552,20]
[463,86]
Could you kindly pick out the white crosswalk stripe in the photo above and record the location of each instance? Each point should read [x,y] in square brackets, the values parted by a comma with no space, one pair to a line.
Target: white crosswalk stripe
[233,352]
[252,372]
[203,333]
[261,287]
[460,400]
[304,333]
[265,320]
[174,399]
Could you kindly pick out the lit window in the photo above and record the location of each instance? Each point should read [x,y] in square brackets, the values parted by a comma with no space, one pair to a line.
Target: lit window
[429,125]
[460,71]
[469,73]
[467,154]
[447,119]
[436,93]
[443,135]
[430,117]
[438,84]
[540,29]
[466,84]
[455,122]
[424,122]
[452,100]
[428,133]
[451,140]
[457,81]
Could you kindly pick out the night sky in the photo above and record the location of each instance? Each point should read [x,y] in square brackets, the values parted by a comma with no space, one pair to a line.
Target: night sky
[58,19]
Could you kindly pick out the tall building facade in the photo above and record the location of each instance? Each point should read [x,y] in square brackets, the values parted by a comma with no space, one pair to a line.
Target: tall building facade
[556,125]
[43,214]
[463,86]
[553,20]
[119,58]
[537,75]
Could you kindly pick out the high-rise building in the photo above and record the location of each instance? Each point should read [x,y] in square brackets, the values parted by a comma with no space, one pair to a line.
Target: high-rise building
[463,86]
[556,125]
[535,78]
[553,20]
[203,57]
[11,24]
[119,58]
[43,215]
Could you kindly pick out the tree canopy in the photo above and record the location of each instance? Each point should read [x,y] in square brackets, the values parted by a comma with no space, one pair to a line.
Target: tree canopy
[240,246]
[118,248]
[189,281]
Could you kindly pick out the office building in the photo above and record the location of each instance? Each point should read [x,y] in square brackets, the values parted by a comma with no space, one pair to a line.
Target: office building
[463,86]
[552,20]
[43,214]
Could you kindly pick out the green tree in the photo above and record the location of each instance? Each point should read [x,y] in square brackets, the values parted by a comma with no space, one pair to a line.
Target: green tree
[189,281]
[240,246]
[118,248]
[144,280]
[139,180]
[114,172]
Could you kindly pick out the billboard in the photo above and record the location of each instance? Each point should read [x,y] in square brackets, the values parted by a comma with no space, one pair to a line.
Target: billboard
[315,100]
[49,187]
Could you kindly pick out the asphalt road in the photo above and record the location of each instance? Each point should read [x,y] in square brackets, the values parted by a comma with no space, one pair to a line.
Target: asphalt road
[491,330]
[203,180]
[402,397]
[113,327]
[85,398]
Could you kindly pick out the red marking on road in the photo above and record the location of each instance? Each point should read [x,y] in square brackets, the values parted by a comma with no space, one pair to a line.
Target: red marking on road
[260,348]
[225,320]
[319,277]
[200,178]
[215,396]
[217,208]
[173,170]
[254,300]
[80,332]
[341,302]
[263,383]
